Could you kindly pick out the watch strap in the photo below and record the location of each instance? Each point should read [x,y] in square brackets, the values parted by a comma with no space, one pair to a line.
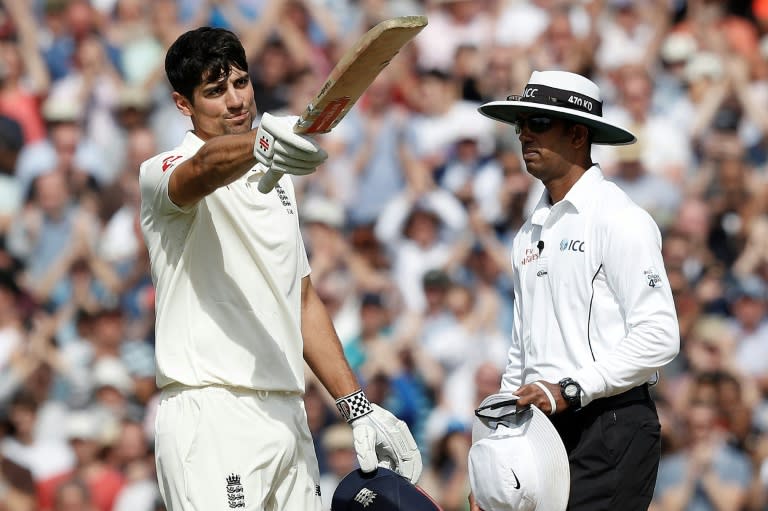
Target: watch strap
[574,402]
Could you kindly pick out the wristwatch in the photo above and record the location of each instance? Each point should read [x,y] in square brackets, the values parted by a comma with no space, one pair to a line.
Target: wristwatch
[571,392]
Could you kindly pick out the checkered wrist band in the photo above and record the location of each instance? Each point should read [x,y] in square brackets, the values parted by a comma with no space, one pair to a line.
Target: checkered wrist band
[354,405]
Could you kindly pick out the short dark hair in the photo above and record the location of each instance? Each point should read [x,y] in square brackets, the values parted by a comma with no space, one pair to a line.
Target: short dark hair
[569,123]
[204,53]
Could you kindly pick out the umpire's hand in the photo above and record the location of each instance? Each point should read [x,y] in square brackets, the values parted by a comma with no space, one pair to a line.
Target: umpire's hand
[543,395]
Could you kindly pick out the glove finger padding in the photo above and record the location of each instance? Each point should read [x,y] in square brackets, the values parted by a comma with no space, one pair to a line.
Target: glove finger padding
[365,446]
[293,145]
[285,169]
[394,447]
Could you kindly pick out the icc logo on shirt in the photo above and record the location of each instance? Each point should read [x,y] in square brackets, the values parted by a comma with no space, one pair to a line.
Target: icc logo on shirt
[572,245]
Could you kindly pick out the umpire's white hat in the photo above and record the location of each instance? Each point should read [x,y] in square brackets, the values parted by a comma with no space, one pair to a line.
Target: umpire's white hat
[517,461]
[566,95]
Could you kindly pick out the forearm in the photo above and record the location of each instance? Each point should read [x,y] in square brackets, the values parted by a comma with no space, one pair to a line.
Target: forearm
[322,348]
[390,222]
[677,499]
[254,39]
[723,496]
[645,350]
[221,161]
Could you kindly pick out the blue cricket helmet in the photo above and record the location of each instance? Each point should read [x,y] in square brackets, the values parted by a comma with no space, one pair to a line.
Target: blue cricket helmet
[380,490]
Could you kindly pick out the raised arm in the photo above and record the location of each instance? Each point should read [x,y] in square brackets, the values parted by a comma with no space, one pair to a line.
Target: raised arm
[219,162]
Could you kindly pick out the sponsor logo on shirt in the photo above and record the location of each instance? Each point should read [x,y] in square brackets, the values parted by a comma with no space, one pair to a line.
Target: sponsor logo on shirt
[652,277]
[284,199]
[571,245]
[517,481]
[531,254]
[169,162]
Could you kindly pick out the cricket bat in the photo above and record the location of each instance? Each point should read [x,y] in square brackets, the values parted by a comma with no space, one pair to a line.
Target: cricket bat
[354,72]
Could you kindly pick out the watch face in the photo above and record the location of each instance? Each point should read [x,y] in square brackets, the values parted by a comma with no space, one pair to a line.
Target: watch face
[571,390]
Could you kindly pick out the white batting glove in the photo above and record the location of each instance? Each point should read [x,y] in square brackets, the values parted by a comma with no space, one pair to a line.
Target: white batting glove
[381,439]
[277,147]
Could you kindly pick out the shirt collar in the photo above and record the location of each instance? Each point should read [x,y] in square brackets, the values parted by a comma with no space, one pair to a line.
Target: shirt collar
[582,192]
[192,141]
[579,195]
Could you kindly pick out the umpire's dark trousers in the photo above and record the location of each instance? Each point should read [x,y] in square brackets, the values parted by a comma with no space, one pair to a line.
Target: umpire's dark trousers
[614,448]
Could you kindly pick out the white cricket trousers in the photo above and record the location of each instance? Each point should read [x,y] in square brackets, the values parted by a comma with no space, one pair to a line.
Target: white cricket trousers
[220,448]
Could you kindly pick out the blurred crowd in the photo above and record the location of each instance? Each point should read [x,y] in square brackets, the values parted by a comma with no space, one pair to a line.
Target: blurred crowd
[408,225]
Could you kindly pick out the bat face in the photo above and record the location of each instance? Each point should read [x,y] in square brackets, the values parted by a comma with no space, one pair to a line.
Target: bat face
[356,70]
[322,121]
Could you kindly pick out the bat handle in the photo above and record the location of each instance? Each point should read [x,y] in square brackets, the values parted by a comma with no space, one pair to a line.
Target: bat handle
[269,180]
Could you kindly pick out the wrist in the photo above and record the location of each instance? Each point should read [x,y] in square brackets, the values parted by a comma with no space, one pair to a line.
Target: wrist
[354,405]
[571,392]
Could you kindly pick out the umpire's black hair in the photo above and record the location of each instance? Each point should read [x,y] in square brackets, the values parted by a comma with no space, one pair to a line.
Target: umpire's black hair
[204,53]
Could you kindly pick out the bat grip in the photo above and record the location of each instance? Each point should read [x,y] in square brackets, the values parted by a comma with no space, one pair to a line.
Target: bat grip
[269,180]
[271,177]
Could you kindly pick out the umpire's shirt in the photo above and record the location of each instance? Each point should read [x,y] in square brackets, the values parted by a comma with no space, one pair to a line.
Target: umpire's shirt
[592,300]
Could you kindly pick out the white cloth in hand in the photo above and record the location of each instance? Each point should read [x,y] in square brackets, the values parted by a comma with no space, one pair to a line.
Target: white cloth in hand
[381,439]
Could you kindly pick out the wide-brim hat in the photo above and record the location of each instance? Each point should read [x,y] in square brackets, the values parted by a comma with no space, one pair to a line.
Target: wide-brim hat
[564,95]
[517,461]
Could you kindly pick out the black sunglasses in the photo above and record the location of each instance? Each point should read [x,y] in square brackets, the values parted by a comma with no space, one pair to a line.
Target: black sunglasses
[506,413]
[537,124]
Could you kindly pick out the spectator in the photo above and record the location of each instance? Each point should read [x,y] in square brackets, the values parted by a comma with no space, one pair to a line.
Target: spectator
[368,149]
[66,149]
[88,436]
[447,477]
[12,332]
[419,228]
[749,304]
[43,457]
[443,120]
[652,192]
[664,148]
[452,24]
[340,453]
[73,496]
[633,34]
[373,346]
[18,488]
[24,78]
[413,153]
[94,84]
[67,25]
[560,46]
[11,198]
[708,473]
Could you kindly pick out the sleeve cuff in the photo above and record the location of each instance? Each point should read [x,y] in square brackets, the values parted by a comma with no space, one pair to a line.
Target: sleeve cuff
[592,385]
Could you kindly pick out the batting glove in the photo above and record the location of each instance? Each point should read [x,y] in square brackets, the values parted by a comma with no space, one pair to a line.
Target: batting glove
[381,439]
[277,147]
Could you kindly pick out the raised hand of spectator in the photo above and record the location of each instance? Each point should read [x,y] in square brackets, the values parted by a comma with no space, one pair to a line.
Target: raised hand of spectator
[700,458]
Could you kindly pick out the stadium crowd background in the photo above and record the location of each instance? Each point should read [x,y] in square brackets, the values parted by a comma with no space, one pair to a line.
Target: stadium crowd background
[408,225]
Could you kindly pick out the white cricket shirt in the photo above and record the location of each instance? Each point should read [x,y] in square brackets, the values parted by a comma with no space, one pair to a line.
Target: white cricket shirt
[594,304]
[228,276]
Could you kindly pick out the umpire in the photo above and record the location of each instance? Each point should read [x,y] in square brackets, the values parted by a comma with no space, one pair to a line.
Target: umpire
[594,319]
